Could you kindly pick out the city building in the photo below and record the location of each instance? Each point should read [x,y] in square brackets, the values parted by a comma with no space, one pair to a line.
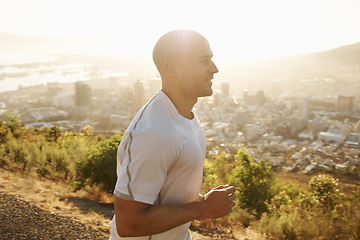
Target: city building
[139,95]
[225,90]
[82,94]
[331,137]
[316,125]
[64,99]
[306,110]
[344,104]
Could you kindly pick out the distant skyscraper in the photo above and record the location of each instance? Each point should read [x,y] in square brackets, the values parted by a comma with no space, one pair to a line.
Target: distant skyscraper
[306,110]
[126,97]
[344,104]
[260,97]
[216,99]
[139,95]
[225,90]
[82,94]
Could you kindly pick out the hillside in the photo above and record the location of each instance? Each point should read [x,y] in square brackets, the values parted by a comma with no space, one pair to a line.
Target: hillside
[342,64]
[57,212]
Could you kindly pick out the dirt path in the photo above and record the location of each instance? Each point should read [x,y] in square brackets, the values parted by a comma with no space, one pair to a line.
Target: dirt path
[22,220]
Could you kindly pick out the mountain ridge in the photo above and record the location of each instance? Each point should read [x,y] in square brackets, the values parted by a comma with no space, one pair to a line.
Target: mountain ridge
[340,63]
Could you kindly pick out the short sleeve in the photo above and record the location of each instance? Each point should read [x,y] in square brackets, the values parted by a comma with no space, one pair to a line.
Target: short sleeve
[147,158]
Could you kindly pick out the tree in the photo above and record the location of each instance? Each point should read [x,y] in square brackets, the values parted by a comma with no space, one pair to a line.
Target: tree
[253,182]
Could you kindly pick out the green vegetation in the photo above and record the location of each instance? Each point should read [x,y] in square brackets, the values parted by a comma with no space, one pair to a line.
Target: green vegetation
[253,182]
[285,209]
[320,207]
[99,167]
[82,159]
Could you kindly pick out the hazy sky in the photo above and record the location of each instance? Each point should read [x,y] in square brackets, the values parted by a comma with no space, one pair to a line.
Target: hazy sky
[242,29]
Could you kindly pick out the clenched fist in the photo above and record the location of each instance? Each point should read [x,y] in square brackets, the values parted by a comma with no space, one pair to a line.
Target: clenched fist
[219,201]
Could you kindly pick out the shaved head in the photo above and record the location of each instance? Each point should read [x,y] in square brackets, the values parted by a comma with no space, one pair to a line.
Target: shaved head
[175,45]
[184,61]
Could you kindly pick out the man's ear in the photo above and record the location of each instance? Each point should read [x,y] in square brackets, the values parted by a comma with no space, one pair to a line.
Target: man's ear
[171,68]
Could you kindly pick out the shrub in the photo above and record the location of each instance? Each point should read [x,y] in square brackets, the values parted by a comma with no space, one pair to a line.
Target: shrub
[287,224]
[283,194]
[324,189]
[319,214]
[216,171]
[253,182]
[100,166]
[14,123]
[4,132]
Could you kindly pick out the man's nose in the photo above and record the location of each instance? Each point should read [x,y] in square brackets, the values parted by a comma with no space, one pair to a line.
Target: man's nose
[213,68]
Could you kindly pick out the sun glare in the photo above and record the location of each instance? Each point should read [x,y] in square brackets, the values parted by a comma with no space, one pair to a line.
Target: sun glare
[236,30]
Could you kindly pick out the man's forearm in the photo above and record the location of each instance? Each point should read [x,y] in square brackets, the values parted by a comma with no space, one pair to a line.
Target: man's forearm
[154,219]
[165,217]
[140,219]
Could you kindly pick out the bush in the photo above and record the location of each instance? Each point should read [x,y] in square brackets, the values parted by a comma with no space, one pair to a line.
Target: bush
[216,171]
[324,189]
[288,224]
[4,132]
[14,123]
[283,194]
[311,216]
[100,166]
[253,182]
[80,158]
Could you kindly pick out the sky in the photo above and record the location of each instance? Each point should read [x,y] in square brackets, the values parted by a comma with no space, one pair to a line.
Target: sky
[236,29]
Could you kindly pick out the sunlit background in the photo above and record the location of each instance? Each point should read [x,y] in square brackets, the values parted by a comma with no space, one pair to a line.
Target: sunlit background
[75,72]
[237,30]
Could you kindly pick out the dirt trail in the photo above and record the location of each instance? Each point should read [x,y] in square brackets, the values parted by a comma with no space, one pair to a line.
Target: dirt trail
[22,220]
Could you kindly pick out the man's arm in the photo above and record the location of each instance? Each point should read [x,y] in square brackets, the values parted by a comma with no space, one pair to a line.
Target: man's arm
[140,219]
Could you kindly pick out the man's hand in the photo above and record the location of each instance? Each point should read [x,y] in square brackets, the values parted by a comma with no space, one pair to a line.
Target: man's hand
[219,201]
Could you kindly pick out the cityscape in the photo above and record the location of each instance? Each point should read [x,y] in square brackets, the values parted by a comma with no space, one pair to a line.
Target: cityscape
[314,123]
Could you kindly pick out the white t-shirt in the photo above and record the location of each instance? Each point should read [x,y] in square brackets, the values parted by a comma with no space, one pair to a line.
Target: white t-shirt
[160,161]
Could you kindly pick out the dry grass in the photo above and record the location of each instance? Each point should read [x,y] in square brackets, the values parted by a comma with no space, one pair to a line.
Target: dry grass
[300,180]
[249,234]
[59,198]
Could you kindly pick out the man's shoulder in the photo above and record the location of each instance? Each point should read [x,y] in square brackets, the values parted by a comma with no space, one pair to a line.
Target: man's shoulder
[160,111]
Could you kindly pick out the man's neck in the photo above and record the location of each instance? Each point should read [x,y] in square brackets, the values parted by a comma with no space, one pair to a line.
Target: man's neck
[183,105]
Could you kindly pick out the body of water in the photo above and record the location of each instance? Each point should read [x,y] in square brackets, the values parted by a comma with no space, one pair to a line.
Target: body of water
[28,70]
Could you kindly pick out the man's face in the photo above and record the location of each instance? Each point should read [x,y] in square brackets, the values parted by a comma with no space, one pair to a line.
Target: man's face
[197,70]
